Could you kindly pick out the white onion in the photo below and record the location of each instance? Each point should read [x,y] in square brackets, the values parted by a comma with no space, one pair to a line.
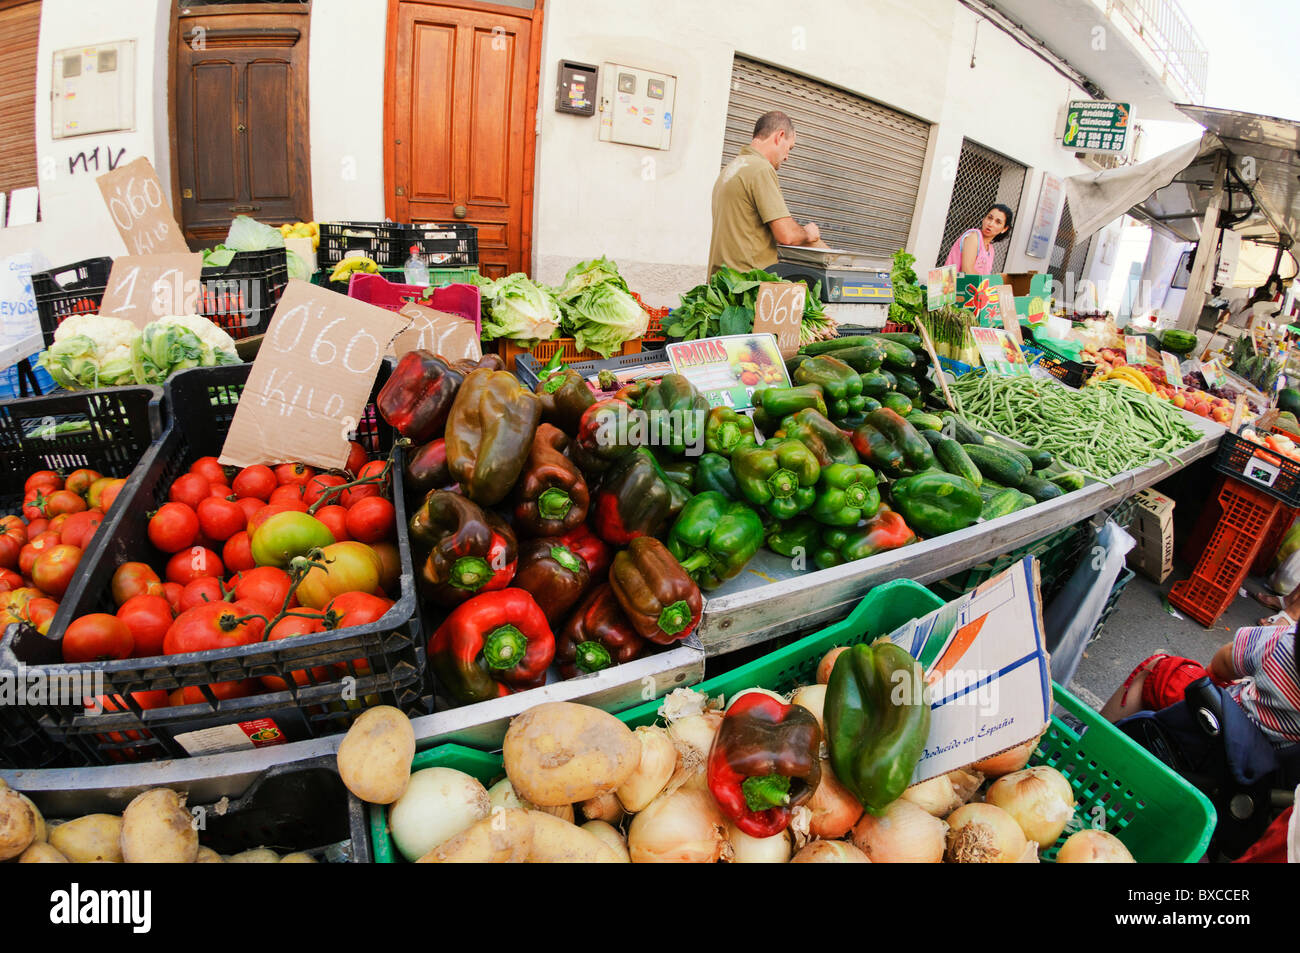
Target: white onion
[834,808]
[437,804]
[656,767]
[610,836]
[984,834]
[1093,847]
[603,807]
[1039,798]
[830,852]
[696,731]
[685,826]
[503,795]
[901,834]
[758,850]
[936,796]
[812,697]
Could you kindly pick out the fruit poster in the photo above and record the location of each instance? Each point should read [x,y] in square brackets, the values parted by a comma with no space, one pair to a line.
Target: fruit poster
[999,352]
[728,370]
[941,287]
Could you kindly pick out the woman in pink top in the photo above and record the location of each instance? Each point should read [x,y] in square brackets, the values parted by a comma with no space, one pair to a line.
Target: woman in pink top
[972,252]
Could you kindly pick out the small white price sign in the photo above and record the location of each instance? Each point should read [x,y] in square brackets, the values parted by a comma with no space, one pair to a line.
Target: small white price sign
[778,310]
[1135,349]
[1173,373]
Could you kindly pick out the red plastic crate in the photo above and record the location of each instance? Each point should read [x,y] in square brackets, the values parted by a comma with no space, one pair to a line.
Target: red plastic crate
[1227,558]
[655,329]
[464,300]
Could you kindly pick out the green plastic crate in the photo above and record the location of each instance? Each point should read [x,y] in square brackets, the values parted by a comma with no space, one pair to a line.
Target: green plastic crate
[478,764]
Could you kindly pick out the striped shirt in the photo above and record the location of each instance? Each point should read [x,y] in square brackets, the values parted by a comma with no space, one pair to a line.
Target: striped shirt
[1269,690]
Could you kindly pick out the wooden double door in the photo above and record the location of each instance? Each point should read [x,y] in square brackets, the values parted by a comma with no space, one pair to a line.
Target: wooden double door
[460,104]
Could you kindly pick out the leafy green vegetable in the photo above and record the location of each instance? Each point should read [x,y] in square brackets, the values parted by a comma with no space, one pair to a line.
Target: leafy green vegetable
[909,299]
[726,306]
[515,308]
[604,316]
[163,349]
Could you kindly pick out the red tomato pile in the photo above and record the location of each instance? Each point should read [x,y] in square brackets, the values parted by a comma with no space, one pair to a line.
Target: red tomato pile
[40,550]
[225,545]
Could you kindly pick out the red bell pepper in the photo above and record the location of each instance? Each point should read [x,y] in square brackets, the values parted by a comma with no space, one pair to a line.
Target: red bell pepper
[551,497]
[596,636]
[418,395]
[470,550]
[593,550]
[492,645]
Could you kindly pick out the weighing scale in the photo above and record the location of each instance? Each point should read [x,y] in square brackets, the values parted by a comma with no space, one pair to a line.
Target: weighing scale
[856,290]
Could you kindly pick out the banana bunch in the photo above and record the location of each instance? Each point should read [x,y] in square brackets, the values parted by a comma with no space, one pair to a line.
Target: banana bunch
[302,230]
[1130,376]
[344,269]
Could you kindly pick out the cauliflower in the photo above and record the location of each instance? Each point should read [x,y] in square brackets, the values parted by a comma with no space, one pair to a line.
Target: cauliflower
[212,337]
[106,332]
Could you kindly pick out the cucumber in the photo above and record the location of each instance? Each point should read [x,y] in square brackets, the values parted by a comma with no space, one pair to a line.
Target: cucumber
[910,341]
[1000,443]
[923,421]
[1039,459]
[1040,490]
[869,404]
[835,344]
[900,404]
[876,383]
[897,357]
[963,432]
[889,376]
[1069,481]
[866,357]
[997,464]
[1003,503]
[990,490]
[954,459]
[907,384]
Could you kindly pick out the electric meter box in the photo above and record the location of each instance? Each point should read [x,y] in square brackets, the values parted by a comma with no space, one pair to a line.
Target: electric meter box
[92,90]
[575,91]
[636,106]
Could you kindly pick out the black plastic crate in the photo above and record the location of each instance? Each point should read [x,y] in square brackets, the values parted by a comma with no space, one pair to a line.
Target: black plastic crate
[202,402]
[240,297]
[387,243]
[1259,467]
[73,289]
[442,246]
[529,369]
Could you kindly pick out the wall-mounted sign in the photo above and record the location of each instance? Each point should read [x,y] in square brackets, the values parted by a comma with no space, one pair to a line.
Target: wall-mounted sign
[1097,126]
[1050,199]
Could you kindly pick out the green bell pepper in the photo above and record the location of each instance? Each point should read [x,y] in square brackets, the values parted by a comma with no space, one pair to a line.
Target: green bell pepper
[828,442]
[725,430]
[797,537]
[846,494]
[884,531]
[713,472]
[935,503]
[676,412]
[780,476]
[778,403]
[841,386]
[877,720]
[714,537]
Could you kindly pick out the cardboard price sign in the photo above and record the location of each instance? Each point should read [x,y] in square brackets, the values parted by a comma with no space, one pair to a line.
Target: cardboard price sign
[135,200]
[441,332]
[1173,373]
[778,310]
[143,288]
[1010,319]
[313,375]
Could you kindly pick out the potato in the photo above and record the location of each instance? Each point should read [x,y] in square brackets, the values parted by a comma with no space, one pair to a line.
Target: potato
[94,837]
[609,835]
[258,855]
[506,837]
[375,755]
[559,842]
[298,857]
[41,853]
[156,829]
[17,824]
[207,855]
[563,753]
[437,805]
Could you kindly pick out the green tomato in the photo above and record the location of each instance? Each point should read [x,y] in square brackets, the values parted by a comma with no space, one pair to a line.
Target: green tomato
[286,535]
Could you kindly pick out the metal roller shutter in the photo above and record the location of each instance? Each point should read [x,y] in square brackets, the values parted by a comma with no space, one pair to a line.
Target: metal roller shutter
[984,177]
[856,165]
[20,28]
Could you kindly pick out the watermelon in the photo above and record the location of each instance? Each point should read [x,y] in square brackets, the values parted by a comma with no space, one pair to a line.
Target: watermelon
[1178,342]
[1288,399]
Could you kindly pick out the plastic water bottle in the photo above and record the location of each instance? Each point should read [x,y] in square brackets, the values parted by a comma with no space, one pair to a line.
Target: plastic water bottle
[416,271]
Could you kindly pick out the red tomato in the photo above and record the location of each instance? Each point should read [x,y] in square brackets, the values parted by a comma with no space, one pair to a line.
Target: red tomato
[214,625]
[98,637]
[256,481]
[266,512]
[43,479]
[148,618]
[56,524]
[172,593]
[114,703]
[298,473]
[211,470]
[336,518]
[265,584]
[34,505]
[96,491]
[80,528]
[319,484]
[39,612]
[355,608]
[220,519]
[199,591]
[110,494]
[390,572]
[371,470]
[53,570]
[220,490]
[135,579]
[39,544]
[222,691]
[174,527]
[36,527]
[10,580]
[193,563]
[372,520]
[79,481]
[237,555]
[287,493]
[288,627]
[250,505]
[64,501]
[357,458]
[190,489]
[13,537]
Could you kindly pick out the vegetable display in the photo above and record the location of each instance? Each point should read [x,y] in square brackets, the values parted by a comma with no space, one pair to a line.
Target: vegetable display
[92,350]
[725,305]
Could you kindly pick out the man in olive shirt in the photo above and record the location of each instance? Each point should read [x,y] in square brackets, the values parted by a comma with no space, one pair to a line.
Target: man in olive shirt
[749,214]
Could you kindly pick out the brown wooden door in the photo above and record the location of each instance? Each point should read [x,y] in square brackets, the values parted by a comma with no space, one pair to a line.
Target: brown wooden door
[461,94]
[241,122]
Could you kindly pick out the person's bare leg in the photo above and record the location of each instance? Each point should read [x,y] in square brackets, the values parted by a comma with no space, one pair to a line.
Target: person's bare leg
[1126,701]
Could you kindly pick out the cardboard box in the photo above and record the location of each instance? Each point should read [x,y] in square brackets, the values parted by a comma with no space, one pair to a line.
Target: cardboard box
[1029,284]
[1153,529]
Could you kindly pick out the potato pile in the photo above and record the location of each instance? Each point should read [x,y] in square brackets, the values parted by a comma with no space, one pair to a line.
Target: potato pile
[155,828]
